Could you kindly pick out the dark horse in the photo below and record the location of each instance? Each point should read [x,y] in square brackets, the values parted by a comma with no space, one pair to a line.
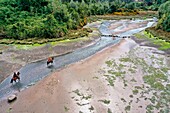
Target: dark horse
[15,77]
[50,60]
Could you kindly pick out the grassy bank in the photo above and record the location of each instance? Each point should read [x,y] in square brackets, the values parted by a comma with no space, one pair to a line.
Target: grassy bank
[159,33]
[161,43]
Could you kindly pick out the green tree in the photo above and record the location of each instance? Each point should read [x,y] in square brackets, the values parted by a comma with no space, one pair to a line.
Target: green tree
[164,17]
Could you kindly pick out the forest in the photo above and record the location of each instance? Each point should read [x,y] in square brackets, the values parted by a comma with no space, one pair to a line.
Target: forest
[23,19]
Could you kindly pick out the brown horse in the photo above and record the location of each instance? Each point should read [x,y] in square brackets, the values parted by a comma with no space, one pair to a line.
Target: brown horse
[15,77]
[50,60]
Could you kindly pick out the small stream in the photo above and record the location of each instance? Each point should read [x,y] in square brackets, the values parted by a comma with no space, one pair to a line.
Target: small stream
[34,72]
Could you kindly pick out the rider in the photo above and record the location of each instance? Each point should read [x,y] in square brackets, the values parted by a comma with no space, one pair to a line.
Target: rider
[16,76]
[50,59]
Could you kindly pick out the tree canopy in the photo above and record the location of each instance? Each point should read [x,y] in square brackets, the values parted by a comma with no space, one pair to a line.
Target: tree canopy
[164,16]
[20,19]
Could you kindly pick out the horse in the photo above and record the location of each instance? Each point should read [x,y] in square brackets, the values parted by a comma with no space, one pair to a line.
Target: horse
[50,60]
[15,77]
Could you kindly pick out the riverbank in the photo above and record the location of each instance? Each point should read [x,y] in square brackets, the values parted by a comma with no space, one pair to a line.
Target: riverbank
[147,39]
[113,80]
[158,33]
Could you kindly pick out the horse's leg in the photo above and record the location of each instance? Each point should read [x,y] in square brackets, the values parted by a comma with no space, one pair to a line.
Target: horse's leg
[11,81]
[18,77]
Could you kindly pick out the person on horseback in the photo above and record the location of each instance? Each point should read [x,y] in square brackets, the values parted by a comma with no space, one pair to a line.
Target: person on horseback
[15,77]
[50,60]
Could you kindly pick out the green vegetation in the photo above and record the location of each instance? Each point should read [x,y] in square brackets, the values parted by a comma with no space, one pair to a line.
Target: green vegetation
[77,92]
[162,29]
[127,108]
[91,108]
[125,59]
[153,32]
[109,110]
[164,16]
[160,39]
[135,91]
[42,19]
[156,79]
[132,70]
[109,63]
[105,101]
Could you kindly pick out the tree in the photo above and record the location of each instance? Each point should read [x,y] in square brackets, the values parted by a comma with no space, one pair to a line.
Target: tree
[164,17]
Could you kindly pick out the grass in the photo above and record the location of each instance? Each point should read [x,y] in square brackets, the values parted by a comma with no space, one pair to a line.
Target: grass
[87,97]
[153,99]
[132,70]
[111,81]
[125,59]
[155,80]
[163,43]
[127,108]
[149,108]
[109,63]
[117,74]
[158,86]
[77,92]
[105,101]
[135,91]
[159,33]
